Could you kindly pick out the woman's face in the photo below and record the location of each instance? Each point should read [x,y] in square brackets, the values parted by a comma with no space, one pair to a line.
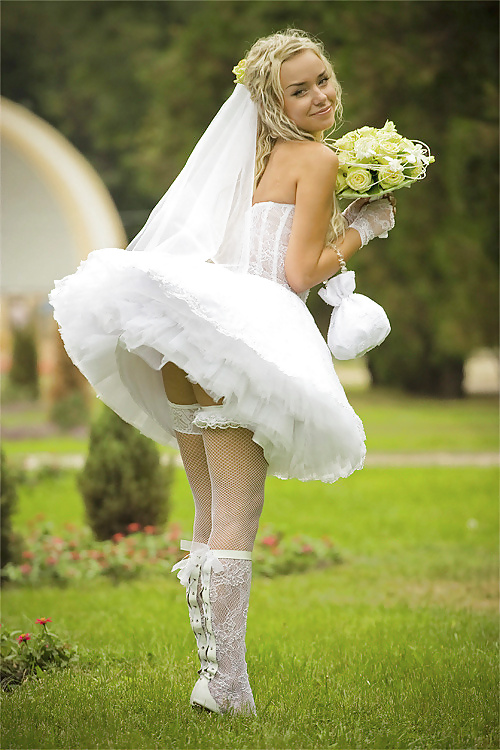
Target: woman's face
[309,93]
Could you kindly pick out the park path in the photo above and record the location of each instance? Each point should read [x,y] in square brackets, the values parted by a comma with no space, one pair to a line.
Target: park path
[34,461]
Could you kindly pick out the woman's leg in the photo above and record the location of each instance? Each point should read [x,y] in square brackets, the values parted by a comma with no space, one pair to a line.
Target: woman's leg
[238,471]
[184,405]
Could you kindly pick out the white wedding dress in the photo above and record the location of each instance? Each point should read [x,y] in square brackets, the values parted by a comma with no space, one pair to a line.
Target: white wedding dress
[244,337]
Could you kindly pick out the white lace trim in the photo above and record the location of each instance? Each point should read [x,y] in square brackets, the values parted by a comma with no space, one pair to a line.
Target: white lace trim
[183,416]
[212,417]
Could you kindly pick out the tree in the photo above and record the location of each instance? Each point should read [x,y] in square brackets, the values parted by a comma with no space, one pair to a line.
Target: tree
[137,110]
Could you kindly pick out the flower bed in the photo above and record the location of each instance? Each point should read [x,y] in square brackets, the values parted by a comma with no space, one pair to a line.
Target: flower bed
[75,556]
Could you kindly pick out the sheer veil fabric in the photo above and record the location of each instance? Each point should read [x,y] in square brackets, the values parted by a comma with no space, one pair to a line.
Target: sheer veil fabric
[205,214]
[243,336]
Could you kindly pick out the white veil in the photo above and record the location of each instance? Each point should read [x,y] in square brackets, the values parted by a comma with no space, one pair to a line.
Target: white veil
[206,211]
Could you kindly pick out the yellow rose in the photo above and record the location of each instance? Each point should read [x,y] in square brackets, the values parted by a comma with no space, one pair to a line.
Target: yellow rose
[346,142]
[358,179]
[388,147]
[390,177]
[239,71]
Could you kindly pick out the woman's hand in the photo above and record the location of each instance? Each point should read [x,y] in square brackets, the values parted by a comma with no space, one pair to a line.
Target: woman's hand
[375,219]
[353,209]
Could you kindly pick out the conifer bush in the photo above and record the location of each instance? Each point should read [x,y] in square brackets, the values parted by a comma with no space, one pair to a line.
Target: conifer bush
[23,380]
[123,482]
[11,543]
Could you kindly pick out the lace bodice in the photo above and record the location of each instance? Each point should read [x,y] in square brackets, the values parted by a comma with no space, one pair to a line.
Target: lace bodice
[270,232]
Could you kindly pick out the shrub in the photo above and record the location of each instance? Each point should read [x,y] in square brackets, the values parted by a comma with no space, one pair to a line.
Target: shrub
[70,411]
[24,655]
[10,542]
[23,379]
[123,481]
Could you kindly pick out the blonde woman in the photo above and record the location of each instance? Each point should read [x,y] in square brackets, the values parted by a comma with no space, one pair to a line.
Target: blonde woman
[198,333]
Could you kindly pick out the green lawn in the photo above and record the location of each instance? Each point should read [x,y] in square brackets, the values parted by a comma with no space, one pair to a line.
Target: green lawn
[393,422]
[395,648]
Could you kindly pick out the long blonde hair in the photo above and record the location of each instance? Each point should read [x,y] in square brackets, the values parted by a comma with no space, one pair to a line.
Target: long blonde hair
[262,79]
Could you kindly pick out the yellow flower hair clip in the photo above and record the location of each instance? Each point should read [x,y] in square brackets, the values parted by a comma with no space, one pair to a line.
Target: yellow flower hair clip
[239,71]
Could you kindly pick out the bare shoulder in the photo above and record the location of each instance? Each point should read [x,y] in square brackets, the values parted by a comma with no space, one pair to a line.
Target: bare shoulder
[307,155]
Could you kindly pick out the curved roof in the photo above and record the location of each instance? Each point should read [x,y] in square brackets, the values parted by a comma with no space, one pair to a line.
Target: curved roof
[55,207]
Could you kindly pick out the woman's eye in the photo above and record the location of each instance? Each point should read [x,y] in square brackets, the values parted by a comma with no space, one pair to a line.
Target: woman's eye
[299,92]
[324,80]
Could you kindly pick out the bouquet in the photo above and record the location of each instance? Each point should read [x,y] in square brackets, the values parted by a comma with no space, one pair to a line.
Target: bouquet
[374,161]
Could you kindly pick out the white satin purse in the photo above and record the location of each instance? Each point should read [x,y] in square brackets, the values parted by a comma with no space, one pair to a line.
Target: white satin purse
[358,324]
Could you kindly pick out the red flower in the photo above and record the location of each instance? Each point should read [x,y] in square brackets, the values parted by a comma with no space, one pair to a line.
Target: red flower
[307,548]
[270,541]
[118,537]
[25,569]
[23,637]
[149,529]
[43,620]
[175,532]
[51,560]
[133,527]
[75,555]
[28,555]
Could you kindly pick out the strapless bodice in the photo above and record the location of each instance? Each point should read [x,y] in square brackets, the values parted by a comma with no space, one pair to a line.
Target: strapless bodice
[271,225]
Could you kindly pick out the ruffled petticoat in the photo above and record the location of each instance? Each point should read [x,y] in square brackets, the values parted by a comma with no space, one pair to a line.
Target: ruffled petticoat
[122,315]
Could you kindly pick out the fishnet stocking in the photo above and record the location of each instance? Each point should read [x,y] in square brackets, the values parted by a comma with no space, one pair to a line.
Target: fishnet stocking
[238,472]
[193,456]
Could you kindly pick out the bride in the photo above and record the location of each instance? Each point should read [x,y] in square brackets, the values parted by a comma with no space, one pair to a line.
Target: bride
[198,333]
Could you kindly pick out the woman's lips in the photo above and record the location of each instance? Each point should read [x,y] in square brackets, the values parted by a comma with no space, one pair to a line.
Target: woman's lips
[324,111]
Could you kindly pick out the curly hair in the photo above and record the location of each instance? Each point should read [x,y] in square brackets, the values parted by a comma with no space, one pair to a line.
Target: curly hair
[262,79]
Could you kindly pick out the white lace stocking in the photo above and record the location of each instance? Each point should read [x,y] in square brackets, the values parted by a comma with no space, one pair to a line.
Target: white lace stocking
[225,598]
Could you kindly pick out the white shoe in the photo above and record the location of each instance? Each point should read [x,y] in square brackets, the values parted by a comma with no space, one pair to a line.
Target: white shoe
[202,697]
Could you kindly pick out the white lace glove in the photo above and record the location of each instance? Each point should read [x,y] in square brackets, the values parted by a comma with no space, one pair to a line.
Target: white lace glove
[374,220]
[351,212]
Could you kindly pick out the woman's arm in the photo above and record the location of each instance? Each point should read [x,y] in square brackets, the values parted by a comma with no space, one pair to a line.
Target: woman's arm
[308,261]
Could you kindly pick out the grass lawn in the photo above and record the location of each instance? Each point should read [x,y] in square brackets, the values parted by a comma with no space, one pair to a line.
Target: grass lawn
[395,648]
[393,422]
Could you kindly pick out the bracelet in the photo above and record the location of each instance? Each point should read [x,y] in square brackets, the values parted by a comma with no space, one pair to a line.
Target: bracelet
[343,267]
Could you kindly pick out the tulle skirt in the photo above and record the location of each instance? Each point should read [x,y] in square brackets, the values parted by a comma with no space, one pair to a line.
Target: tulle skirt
[122,315]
